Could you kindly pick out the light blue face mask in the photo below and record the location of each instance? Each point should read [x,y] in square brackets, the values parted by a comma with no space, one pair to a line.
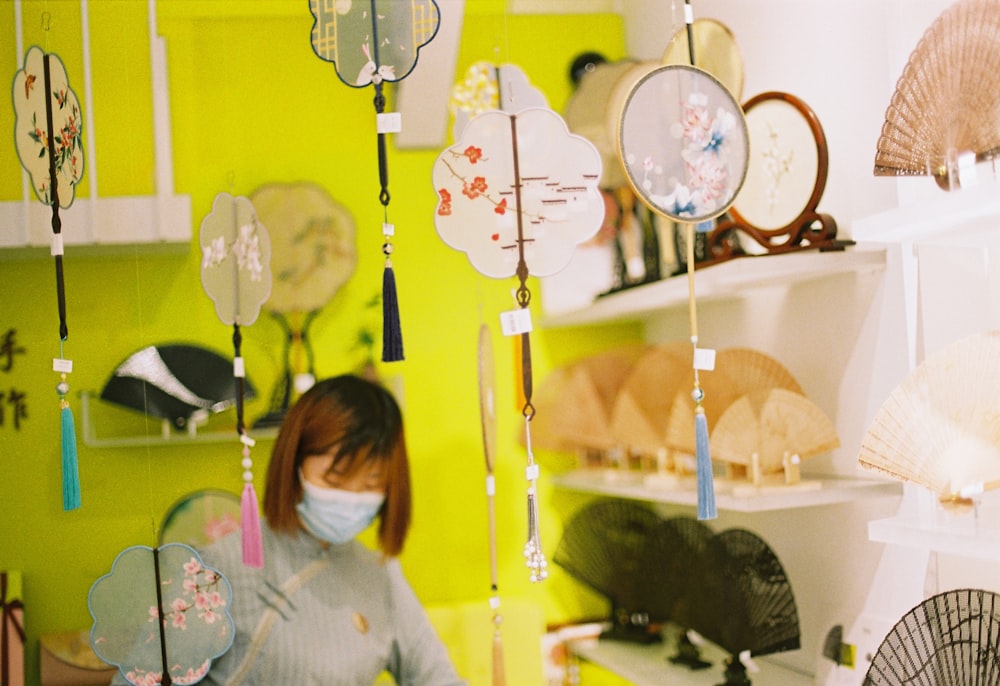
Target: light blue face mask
[336,515]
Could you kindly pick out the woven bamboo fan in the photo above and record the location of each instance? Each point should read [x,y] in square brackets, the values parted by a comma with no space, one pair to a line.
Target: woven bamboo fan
[947,100]
[642,407]
[774,424]
[940,427]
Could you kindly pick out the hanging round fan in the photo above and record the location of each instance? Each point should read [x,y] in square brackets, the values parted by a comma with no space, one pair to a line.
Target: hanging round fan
[715,51]
[769,426]
[939,427]
[605,545]
[642,406]
[947,100]
[743,600]
[950,639]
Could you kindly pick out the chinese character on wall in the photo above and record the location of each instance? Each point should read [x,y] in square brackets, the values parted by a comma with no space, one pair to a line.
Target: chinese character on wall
[13,402]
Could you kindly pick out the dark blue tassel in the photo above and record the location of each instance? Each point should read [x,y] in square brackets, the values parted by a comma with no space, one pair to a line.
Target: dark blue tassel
[703,466]
[70,471]
[392,333]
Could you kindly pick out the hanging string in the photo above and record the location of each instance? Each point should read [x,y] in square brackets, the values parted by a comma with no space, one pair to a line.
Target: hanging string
[253,552]
[70,465]
[392,333]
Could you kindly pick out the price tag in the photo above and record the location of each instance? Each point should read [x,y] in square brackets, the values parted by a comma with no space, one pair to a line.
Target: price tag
[389,122]
[239,369]
[704,359]
[388,230]
[531,472]
[515,322]
[62,366]
[491,485]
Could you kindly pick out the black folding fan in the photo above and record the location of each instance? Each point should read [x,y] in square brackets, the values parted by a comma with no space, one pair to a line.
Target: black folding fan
[174,382]
[675,545]
[950,639]
[605,545]
[743,600]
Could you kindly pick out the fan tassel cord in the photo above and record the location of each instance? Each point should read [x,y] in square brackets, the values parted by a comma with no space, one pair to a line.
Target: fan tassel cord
[253,546]
[392,332]
[703,458]
[70,464]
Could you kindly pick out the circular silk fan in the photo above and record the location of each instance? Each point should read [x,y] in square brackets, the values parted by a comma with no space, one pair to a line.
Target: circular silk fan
[947,100]
[939,427]
[715,51]
[487,86]
[593,109]
[160,615]
[201,518]
[772,424]
[642,406]
[950,639]
[606,545]
[576,402]
[743,599]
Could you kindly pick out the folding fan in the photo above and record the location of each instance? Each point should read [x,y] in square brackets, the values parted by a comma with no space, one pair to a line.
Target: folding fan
[371,42]
[743,600]
[160,615]
[949,639]
[607,546]
[947,100]
[48,137]
[939,427]
[765,428]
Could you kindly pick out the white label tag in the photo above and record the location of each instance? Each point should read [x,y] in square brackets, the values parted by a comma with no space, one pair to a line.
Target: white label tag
[704,359]
[389,122]
[62,366]
[388,229]
[516,322]
[247,441]
[531,472]
[239,369]
[491,485]
[57,245]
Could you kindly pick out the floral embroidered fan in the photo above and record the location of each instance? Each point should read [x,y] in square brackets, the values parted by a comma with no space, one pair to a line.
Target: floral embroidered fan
[160,615]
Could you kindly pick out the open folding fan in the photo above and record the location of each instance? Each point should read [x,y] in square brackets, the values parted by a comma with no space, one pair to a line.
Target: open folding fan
[743,600]
[947,100]
[939,427]
[765,428]
[672,551]
[607,546]
[371,42]
[160,615]
[949,639]
[176,382]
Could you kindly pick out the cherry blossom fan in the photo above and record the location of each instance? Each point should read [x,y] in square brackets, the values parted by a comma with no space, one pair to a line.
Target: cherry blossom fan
[48,137]
[947,101]
[160,615]
[236,275]
[517,193]
[371,42]
[939,427]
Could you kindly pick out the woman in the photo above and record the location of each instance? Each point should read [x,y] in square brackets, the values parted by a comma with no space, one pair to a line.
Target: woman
[325,609]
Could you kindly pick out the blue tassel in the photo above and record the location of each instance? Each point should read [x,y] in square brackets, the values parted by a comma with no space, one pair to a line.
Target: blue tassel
[392,333]
[703,467]
[70,471]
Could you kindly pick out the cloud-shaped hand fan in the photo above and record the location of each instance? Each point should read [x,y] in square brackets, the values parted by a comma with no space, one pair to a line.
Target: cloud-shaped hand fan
[518,181]
[236,260]
[366,47]
[161,609]
[31,125]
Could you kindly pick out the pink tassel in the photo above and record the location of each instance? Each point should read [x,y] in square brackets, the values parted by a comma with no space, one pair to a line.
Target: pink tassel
[253,546]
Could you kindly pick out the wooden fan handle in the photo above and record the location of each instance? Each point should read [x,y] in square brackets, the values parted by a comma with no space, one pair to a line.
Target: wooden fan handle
[499,677]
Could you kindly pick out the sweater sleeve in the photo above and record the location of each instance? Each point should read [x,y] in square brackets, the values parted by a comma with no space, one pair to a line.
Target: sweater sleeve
[419,657]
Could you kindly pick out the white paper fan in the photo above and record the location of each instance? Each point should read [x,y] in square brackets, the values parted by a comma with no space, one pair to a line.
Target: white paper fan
[940,427]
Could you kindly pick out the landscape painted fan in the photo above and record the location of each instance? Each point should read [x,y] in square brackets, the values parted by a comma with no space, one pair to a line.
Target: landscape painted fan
[939,427]
[160,615]
[949,639]
[48,138]
[236,275]
[372,42]
[947,100]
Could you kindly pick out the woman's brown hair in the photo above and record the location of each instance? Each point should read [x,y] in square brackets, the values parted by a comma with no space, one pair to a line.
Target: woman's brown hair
[357,421]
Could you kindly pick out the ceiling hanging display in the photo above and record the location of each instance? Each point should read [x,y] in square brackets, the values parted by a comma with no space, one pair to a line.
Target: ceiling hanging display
[371,43]
[943,113]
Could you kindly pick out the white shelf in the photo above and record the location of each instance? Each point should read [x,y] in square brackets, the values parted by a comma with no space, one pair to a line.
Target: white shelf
[824,490]
[649,665]
[720,281]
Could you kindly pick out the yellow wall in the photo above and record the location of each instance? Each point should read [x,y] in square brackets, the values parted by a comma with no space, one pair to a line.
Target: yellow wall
[252,104]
